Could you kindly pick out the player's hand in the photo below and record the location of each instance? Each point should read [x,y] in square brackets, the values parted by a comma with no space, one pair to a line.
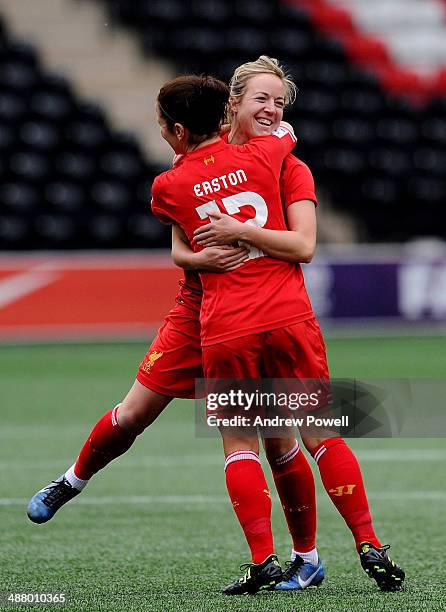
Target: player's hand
[222,258]
[287,126]
[223,230]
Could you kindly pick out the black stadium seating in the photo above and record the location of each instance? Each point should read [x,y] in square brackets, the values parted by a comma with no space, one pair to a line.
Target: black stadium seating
[70,181]
[67,179]
[376,155]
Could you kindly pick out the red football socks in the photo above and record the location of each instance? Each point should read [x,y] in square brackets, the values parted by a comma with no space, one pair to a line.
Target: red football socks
[106,441]
[342,479]
[295,486]
[251,500]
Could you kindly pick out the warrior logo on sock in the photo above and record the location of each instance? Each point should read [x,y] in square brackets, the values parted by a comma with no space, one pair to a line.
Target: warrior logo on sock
[148,363]
[343,490]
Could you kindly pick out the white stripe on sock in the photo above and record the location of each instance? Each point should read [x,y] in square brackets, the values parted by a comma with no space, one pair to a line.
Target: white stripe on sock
[289,455]
[319,453]
[240,456]
[113,415]
[241,451]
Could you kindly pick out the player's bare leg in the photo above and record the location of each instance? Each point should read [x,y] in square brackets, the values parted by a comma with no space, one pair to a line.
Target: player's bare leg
[111,437]
[251,501]
[140,407]
[295,485]
[342,479]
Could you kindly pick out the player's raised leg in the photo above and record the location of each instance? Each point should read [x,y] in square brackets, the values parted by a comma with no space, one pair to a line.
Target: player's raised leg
[111,437]
[342,479]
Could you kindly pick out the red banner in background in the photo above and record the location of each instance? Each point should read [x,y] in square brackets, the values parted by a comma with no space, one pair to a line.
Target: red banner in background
[79,296]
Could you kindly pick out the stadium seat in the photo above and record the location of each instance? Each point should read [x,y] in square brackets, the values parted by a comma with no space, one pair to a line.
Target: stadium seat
[61,161]
[39,135]
[77,166]
[19,197]
[111,195]
[356,131]
[361,101]
[400,130]
[378,190]
[57,230]
[13,107]
[144,230]
[7,137]
[212,11]
[430,160]
[261,11]
[15,232]
[390,160]
[30,166]
[105,230]
[65,196]
[51,105]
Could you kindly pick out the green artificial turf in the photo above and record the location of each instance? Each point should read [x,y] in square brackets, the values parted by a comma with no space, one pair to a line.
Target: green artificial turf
[155,531]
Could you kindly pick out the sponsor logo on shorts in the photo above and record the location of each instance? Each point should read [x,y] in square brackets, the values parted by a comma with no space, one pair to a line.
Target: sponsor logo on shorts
[150,360]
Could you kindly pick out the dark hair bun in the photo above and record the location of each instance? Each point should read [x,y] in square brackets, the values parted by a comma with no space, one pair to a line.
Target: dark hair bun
[197,102]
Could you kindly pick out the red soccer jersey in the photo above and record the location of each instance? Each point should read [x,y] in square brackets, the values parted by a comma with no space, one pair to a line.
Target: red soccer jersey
[241,180]
[296,180]
[296,183]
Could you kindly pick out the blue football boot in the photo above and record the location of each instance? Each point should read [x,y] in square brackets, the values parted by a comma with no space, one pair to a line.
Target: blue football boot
[300,574]
[46,502]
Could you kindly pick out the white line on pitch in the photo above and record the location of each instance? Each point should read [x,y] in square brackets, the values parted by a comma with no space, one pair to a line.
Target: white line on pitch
[208,460]
[421,496]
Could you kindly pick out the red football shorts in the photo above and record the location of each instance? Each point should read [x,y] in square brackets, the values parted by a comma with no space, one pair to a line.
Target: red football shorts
[296,351]
[293,356]
[173,361]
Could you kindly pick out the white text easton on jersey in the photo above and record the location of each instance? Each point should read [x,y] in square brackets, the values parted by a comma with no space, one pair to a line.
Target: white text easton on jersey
[232,178]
